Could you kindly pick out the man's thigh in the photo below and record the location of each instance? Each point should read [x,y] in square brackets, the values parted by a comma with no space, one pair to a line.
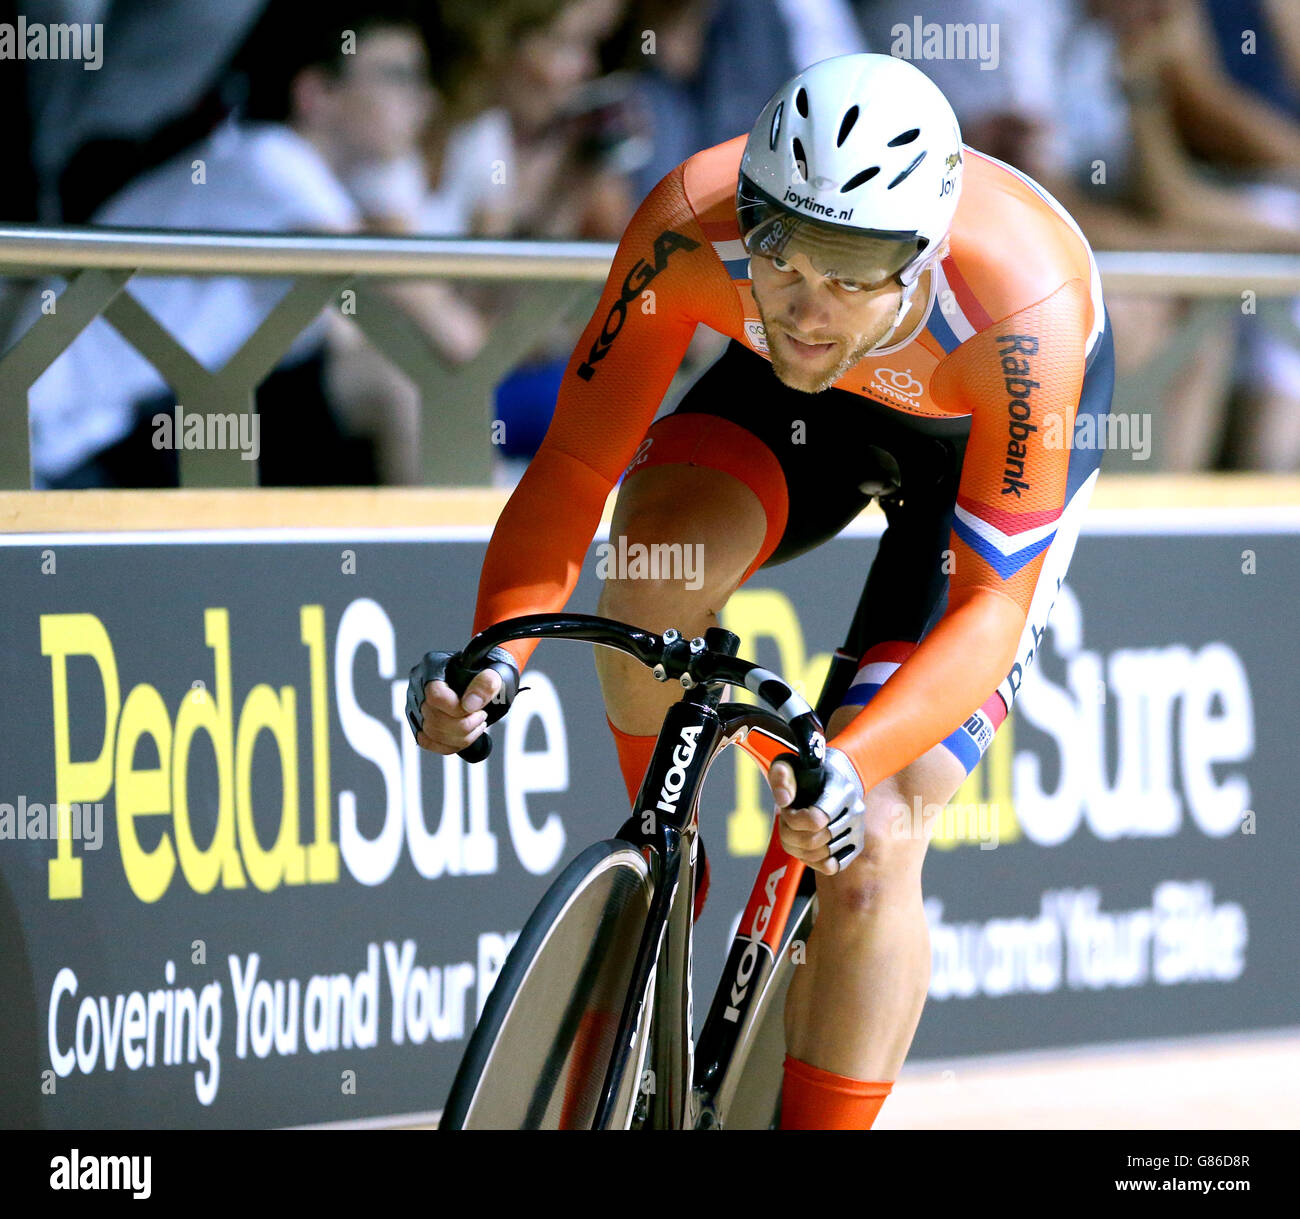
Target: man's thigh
[703,501]
[683,534]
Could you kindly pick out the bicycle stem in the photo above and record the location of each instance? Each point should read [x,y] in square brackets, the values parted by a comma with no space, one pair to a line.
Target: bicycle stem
[697,662]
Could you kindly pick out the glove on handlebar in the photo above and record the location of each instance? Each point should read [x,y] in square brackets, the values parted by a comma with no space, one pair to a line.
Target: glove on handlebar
[447,666]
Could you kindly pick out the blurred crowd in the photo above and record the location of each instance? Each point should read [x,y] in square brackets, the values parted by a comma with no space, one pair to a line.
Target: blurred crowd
[1159,124]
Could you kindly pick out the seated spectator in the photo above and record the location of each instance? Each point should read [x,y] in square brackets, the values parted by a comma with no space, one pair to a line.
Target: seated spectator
[1086,103]
[1004,98]
[156,91]
[1183,105]
[527,89]
[1243,117]
[316,107]
[713,64]
[535,145]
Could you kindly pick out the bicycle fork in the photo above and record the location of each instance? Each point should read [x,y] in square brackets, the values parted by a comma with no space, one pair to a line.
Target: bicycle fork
[664,820]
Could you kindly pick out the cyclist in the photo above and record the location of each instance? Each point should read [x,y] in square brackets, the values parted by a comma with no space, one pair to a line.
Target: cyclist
[935,324]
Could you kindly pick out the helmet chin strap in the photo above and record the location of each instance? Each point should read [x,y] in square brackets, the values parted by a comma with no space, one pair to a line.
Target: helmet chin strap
[909,290]
[888,336]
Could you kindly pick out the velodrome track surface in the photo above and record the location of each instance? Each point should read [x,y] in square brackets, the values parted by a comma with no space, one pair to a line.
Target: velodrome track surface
[1242,1081]
[1229,1083]
[1234,1082]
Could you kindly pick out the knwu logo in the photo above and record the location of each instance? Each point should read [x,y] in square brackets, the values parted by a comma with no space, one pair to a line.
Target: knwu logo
[901,386]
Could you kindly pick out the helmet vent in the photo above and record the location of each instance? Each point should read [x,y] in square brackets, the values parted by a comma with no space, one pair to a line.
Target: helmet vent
[800,158]
[858,179]
[801,102]
[850,117]
[907,171]
[776,126]
[905,138]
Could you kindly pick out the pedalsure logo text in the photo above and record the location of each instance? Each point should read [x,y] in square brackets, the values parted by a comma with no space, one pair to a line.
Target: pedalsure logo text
[145,753]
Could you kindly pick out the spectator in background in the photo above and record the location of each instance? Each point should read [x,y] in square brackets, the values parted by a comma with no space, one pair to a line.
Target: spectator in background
[1004,102]
[1258,43]
[315,108]
[535,145]
[72,138]
[712,65]
[529,73]
[1083,102]
[156,91]
[1242,116]
[1179,103]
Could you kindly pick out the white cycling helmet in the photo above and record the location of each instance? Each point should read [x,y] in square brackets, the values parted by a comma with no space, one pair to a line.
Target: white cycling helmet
[856,162]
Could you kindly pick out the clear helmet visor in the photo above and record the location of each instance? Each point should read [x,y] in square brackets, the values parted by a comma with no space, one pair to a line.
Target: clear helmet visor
[835,250]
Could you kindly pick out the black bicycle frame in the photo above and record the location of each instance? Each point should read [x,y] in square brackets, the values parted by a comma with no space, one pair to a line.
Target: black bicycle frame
[664,825]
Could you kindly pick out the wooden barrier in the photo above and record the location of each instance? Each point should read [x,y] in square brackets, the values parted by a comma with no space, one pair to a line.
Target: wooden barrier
[381,507]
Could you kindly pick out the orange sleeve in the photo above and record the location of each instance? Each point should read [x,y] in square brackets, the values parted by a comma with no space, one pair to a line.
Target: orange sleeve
[1020,380]
[664,279]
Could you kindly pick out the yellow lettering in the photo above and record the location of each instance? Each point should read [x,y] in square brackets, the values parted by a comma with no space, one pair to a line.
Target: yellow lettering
[286,861]
[753,614]
[323,854]
[64,635]
[201,711]
[144,793]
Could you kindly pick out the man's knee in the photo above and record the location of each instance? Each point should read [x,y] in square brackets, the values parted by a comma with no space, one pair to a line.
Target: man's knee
[657,601]
[889,865]
[899,815]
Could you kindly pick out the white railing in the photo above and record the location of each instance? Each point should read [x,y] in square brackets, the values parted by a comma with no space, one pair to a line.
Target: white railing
[562,280]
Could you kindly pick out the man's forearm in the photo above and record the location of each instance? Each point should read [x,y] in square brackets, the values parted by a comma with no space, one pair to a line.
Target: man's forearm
[958,665]
[535,556]
[1219,119]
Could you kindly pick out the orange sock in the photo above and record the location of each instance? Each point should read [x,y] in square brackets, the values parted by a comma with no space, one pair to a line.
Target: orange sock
[813,1099]
[633,757]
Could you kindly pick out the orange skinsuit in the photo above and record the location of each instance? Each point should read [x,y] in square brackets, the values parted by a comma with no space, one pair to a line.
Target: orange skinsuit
[1015,311]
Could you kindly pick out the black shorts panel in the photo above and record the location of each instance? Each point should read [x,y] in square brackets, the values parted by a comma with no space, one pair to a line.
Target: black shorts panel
[838,451]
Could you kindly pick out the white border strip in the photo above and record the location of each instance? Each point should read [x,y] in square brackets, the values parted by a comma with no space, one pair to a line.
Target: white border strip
[1260,518]
[1156,522]
[1084,1052]
[394,1121]
[1100,522]
[275,533]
